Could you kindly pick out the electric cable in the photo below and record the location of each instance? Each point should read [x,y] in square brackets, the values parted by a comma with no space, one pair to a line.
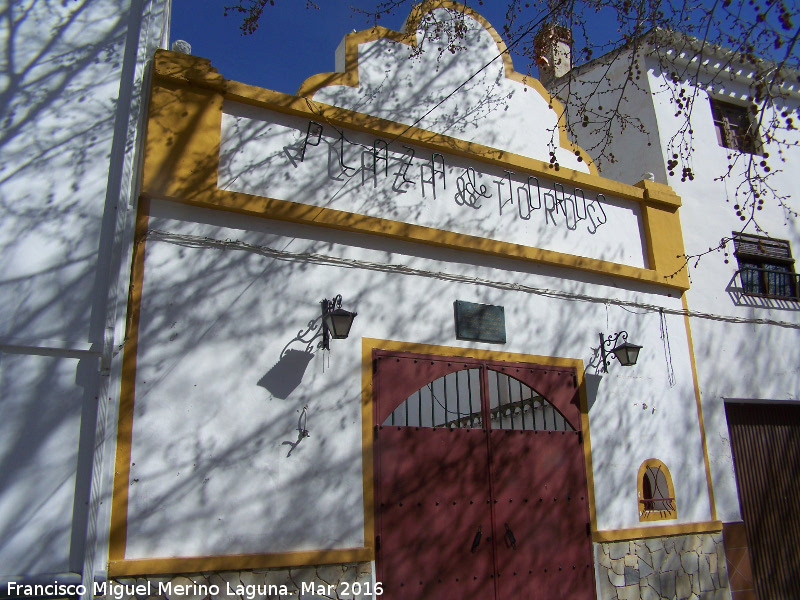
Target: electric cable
[195,241]
[519,38]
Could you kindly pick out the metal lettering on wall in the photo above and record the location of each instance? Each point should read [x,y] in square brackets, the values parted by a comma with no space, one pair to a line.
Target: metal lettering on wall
[521,194]
[480,322]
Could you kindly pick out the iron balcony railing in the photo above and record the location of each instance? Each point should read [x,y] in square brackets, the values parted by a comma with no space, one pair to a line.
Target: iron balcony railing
[769,282]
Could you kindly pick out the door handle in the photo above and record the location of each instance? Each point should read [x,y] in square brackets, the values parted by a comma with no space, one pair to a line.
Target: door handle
[476,541]
[510,539]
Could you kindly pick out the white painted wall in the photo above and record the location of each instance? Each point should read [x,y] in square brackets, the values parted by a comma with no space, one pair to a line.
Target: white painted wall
[266,153]
[47,417]
[488,109]
[748,361]
[633,140]
[211,472]
[72,82]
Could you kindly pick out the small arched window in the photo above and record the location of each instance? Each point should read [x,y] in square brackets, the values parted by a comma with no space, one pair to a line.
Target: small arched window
[656,494]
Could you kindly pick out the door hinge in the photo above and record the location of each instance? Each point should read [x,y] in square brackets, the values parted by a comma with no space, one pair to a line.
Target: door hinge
[580,437]
[374,365]
[377,543]
[589,529]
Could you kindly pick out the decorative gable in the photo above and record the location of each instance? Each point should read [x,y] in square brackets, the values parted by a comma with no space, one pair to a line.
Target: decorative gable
[446,150]
[473,94]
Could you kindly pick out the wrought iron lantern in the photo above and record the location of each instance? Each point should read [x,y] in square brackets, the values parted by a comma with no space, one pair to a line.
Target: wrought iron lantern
[618,345]
[336,321]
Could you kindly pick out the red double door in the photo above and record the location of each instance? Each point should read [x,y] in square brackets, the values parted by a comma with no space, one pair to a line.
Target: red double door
[480,481]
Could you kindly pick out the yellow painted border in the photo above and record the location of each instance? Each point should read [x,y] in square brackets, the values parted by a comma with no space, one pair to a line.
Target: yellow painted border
[369,344]
[638,533]
[699,402]
[122,461]
[118,565]
[182,161]
[409,37]
[663,515]
[235,562]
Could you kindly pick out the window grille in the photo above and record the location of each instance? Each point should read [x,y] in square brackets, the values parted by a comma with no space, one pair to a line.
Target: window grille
[766,266]
[454,401]
[514,405]
[656,492]
[734,128]
[450,401]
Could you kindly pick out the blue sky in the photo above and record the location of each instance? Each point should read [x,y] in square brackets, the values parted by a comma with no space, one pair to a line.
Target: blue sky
[292,42]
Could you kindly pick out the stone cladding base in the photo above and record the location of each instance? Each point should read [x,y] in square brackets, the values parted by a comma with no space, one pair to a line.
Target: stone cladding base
[684,567]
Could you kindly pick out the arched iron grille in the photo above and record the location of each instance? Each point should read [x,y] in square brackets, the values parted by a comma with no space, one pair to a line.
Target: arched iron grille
[450,401]
[454,400]
[514,405]
[655,491]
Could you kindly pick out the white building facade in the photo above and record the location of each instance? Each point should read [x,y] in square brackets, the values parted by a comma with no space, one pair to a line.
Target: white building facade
[468,437]
[743,299]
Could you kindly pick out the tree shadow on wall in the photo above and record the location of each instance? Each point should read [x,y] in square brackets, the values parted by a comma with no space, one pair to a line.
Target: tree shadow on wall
[67,97]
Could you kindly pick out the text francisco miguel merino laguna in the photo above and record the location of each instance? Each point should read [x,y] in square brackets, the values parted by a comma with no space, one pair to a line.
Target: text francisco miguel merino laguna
[119,591]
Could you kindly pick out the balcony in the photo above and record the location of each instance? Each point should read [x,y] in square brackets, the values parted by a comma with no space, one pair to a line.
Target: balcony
[772,282]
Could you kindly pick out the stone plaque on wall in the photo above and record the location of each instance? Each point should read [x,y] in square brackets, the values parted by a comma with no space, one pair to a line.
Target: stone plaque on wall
[480,322]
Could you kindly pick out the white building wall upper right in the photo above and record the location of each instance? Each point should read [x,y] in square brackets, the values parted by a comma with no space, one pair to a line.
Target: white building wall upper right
[626,146]
[748,350]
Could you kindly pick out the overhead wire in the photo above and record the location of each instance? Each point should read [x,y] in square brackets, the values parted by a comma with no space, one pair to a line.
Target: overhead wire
[315,108]
[519,38]
[195,241]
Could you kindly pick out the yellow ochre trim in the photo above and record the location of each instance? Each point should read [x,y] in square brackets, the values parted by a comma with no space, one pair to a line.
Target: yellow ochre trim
[367,445]
[118,566]
[409,37]
[294,212]
[182,161]
[181,155]
[369,344]
[661,515]
[476,353]
[122,462]
[663,234]
[699,401]
[638,533]
[235,562]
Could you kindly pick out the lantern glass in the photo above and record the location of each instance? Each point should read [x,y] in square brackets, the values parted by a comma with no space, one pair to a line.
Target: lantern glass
[339,322]
[627,354]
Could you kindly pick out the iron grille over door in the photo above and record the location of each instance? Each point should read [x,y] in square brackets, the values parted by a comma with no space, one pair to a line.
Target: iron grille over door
[466,510]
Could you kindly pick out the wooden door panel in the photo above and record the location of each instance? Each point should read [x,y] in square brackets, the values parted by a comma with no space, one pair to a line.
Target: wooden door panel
[433,490]
[540,504]
[437,487]
[765,440]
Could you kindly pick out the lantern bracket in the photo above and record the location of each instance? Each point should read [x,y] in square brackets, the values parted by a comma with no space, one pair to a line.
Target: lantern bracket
[617,345]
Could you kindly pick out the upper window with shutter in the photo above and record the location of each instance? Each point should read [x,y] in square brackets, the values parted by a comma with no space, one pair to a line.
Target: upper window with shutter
[766,266]
[734,127]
